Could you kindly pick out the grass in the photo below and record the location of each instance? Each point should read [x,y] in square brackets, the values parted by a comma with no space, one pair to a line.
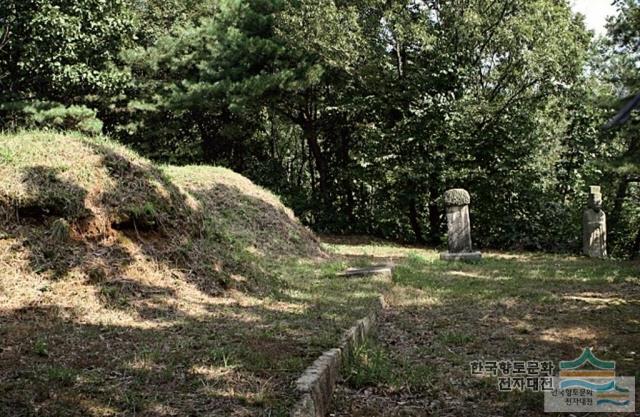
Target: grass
[368,365]
[131,289]
[442,316]
[372,365]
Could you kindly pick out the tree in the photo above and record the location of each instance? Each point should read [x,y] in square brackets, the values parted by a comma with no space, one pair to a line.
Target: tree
[361,113]
[380,106]
[471,91]
[61,53]
[257,62]
[212,74]
[618,66]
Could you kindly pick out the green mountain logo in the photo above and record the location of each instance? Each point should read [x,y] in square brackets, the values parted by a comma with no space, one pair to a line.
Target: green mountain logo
[587,357]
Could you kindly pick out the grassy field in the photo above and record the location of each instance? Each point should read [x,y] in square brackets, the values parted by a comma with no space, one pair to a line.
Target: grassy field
[172,350]
[442,316]
[169,349]
[132,289]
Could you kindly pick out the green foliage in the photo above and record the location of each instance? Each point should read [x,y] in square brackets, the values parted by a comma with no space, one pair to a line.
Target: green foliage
[363,114]
[41,115]
[145,216]
[41,348]
[58,375]
[624,29]
[360,114]
[60,231]
[62,51]
[63,48]
[204,83]
[615,66]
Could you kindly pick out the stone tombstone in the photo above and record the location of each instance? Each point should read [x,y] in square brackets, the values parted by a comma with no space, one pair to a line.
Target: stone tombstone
[594,226]
[459,227]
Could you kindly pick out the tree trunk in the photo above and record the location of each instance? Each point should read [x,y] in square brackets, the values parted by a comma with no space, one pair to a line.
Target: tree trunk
[273,137]
[614,216]
[303,163]
[435,217]
[311,136]
[635,250]
[434,224]
[347,183]
[207,135]
[414,218]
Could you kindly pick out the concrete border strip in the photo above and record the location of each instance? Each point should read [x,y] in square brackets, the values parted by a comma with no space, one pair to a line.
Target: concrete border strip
[315,386]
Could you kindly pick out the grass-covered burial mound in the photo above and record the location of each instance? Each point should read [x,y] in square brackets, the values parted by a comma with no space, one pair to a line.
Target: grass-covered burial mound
[132,289]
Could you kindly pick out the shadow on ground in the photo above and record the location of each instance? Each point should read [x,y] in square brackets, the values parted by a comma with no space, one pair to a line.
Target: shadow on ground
[135,294]
[508,307]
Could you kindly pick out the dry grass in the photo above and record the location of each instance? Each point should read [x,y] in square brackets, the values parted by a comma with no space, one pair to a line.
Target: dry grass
[128,289]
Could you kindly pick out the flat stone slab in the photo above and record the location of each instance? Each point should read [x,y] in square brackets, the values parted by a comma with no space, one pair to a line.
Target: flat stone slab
[371,270]
[467,256]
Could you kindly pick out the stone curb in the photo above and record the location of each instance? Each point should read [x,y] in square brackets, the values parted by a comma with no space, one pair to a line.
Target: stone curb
[315,386]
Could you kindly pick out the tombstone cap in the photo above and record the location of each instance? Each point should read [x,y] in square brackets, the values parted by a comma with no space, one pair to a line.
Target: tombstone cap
[457,197]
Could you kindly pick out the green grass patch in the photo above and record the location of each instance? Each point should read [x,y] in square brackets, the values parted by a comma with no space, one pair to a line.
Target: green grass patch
[57,375]
[508,306]
[368,365]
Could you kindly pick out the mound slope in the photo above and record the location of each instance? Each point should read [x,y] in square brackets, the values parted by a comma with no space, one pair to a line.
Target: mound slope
[70,205]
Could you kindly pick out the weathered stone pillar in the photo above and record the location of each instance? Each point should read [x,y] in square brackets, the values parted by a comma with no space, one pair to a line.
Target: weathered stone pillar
[594,226]
[459,227]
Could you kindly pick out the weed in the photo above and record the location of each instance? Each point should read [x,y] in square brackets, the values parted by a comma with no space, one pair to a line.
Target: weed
[41,348]
[221,357]
[368,365]
[6,156]
[61,376]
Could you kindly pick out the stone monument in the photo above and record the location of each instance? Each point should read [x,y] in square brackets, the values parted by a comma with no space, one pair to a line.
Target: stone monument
[459,227]
[594,226]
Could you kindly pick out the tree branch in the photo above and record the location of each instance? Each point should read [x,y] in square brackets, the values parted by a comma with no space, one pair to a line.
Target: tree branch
[488,36]
[4,38]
